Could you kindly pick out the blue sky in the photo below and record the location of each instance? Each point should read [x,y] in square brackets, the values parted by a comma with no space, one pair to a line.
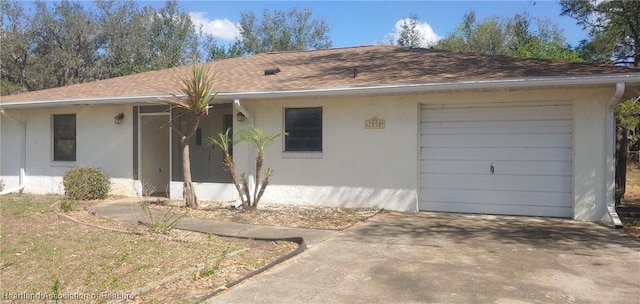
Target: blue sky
[368,22]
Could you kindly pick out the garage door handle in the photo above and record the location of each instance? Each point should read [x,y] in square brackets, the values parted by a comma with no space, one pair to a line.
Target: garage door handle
[492,169]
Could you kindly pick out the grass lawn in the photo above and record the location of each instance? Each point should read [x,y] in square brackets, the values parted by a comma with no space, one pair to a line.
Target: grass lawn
[43,255]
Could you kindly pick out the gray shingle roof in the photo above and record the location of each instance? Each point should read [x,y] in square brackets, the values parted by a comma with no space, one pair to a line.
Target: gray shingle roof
[325,69]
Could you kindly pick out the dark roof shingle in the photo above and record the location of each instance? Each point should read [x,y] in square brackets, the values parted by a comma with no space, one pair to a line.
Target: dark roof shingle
[331,68]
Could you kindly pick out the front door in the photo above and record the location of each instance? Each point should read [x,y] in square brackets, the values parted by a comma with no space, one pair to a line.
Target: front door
[154,154]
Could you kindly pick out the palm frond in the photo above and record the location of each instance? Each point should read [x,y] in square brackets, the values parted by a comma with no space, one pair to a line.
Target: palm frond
[195,90]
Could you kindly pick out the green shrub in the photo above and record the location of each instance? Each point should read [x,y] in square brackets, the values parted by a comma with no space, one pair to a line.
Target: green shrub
[82,183]
[67,205]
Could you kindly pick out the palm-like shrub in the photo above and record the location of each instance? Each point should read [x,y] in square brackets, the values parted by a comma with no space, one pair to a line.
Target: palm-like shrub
[255,137]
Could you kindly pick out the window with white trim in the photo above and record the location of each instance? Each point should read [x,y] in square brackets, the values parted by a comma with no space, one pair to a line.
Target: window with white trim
[64,137]
[303,127]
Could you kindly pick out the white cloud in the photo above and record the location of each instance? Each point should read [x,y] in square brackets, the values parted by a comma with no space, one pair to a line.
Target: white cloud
[429,37]
[223,29]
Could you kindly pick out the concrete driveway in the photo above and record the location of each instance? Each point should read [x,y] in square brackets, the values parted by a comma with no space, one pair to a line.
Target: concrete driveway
[455,258]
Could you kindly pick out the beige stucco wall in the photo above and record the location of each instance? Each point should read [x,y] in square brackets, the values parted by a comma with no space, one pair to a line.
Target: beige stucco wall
[360,167]
[99,143]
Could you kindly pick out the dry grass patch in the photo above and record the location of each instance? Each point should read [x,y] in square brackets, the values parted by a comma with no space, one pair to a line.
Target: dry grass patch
[630,211]
[40,253]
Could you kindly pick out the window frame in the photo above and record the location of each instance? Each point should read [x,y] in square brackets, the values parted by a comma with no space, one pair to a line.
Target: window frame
[302,152]
[56,138]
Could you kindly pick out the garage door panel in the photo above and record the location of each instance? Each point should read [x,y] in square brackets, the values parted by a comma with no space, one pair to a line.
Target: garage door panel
[498,182]
[528,198]
[497,140]
[527,167]
[529,145]
[499,105]
[489,154]
[431,129]
[427,125]
[503,209]
[492,114]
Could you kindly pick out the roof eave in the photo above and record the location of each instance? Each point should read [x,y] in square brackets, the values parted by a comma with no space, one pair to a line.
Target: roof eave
[488,84]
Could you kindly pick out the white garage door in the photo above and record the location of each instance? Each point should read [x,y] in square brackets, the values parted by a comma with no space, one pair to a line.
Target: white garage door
[497,158]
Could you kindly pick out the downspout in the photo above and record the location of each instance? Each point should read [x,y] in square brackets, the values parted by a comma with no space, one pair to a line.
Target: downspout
[251,152]
[610,154]
[23,154]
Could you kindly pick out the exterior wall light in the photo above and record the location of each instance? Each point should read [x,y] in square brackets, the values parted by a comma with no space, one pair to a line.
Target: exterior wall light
[240,117]
[118,118]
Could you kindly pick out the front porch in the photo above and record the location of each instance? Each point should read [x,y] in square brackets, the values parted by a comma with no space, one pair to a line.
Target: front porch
[158,157]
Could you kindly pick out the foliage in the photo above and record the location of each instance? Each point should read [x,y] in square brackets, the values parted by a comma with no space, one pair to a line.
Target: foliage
[81,183]
[67,42]
[215,52]
[67,204]
[160,224]
[121,36]
[171,38]
[519,35]
[486,37]
[628,114]
[1,185]
[409,35]
[292,30]
[196,89]
[250,189]
[614,29]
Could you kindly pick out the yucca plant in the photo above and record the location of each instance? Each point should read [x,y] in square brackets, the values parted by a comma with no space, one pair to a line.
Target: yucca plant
[253,136]
[195,91]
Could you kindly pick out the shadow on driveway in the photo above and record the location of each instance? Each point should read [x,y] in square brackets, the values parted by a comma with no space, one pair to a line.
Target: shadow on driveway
[456,258]
[551,233]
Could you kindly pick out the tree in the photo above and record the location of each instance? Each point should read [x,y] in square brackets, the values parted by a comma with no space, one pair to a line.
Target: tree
[292,30]
[545,40]
[215,52]
[14,53]
[487,37]
[410,35]
[121,38]
[196,90]
[519,35]
[62,45]
[172,37]
[64,42]
[254,136]
[614,29]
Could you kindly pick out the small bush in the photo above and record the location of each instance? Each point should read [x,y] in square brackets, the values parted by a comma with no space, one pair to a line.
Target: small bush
[82,183]
[162,223]
[67,205]
[1,185]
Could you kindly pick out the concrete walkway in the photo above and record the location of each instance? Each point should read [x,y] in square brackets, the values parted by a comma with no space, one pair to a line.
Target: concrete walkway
[128,210]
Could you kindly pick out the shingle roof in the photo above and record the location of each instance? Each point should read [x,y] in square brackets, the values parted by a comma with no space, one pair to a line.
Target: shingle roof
[332,68]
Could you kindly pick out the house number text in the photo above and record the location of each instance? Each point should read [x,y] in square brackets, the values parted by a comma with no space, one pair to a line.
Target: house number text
[374,123]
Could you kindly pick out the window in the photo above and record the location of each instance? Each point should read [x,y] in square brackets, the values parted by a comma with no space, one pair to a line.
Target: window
[64,137]
[304,129]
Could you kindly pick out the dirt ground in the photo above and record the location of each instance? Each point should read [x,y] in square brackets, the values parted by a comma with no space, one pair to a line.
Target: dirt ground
[45,255]
[629,210]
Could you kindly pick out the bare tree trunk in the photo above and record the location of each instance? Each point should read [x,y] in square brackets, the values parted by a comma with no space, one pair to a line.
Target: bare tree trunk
[259,161]
[189,194]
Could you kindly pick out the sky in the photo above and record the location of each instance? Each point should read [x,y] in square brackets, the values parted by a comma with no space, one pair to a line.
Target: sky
[354,23]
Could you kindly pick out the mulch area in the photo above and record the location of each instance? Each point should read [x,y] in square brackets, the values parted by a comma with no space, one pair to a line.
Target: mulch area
[314,217]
